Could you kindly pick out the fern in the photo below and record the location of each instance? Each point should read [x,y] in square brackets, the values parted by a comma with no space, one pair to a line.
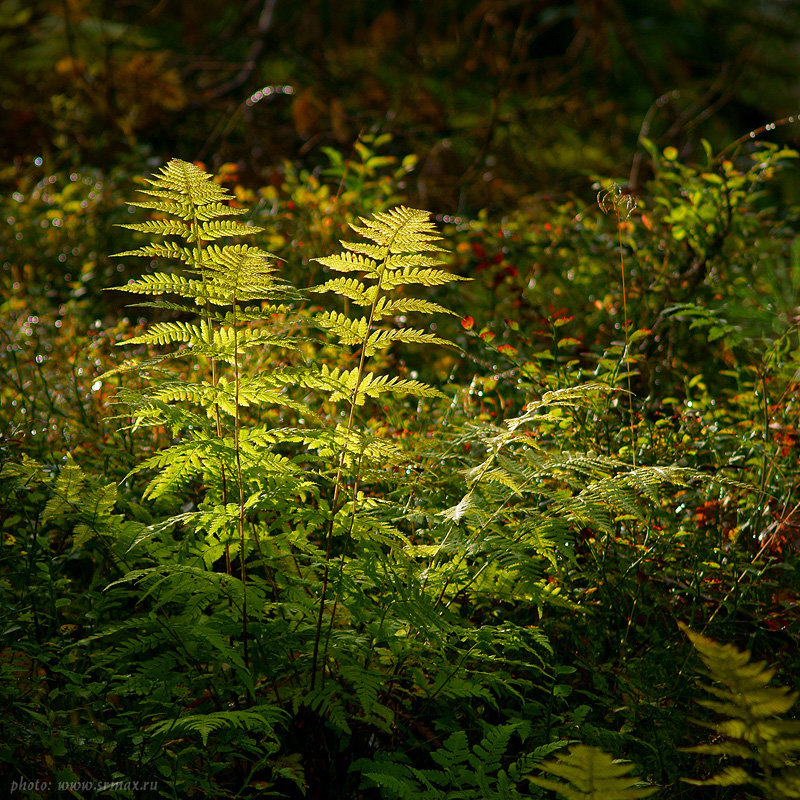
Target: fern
[401,250]
[588,773]
[750,727]
[324,701]
[78,501]
[525,501]
[232,291]
[393,258]
[463,772]
[261,720]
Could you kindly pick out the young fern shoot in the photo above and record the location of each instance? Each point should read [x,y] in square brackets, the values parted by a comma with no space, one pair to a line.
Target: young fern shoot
[400,251]
[612,199]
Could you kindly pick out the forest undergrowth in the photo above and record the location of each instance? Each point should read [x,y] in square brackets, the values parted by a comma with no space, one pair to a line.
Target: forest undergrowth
[374,503]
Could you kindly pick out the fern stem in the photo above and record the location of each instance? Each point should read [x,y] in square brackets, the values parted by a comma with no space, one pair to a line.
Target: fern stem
[214,379]
[340,468]
[627,345]
[222,464]
[239,479]
[613,198]
[341,566]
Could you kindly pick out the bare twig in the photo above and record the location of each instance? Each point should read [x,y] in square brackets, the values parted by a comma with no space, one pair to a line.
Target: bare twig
[256,48]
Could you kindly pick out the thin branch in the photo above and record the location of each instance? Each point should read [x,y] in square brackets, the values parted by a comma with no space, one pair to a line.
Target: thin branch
[256,48]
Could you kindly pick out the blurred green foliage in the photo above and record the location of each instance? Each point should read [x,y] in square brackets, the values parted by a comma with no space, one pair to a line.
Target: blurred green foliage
[498,99]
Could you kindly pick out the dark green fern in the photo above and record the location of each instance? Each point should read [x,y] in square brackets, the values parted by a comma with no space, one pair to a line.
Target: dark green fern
[459,772]
[526,499]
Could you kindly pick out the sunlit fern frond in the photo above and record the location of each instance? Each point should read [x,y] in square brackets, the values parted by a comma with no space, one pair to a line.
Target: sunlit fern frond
[179,464]
[191,210]
[588,773]
[350,288]
[235,304]
[179,181]
[401,251]
[231,289]
[750,723]
[204,231]
[348,331]
[165,283]
[408,305]
[400,230]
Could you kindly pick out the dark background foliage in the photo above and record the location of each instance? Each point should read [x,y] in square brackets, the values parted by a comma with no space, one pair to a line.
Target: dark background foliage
[499,99]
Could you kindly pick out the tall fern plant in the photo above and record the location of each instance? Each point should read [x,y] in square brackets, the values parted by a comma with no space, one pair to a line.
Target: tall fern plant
[229,293]
[400,252]
[761,746]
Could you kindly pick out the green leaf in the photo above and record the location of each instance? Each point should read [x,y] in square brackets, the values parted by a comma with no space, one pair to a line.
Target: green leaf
[588,773]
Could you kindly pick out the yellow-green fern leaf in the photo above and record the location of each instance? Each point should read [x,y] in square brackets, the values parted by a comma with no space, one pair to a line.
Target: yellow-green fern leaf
[408,305]
[164,283]
[161,227]
[236,257]
[400,230]
[246,337]
[423,277]
[168,332]
[744,694]
[750,720]
[395,256]
[206,231]
[187,210]
[161,250]
[339,383]
[347,262]
[182,179]
[381,339]
[588,773]
[349,331]
[218,229]
[351,288]
[178,465]
[373,386]
[374,252]
[413,260]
